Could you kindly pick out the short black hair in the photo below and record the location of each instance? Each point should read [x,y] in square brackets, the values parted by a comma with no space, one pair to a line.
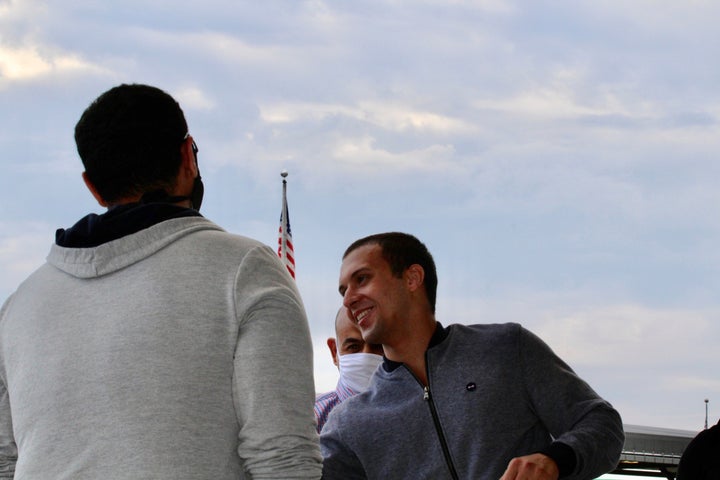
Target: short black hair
[129,140]
[401,250]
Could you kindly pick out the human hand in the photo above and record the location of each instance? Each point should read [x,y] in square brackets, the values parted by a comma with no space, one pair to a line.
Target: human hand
[532,467]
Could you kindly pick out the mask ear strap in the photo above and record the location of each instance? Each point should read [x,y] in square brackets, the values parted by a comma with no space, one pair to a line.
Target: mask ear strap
[195,197]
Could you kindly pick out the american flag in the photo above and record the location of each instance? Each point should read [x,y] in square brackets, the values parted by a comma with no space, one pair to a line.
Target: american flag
[285,244]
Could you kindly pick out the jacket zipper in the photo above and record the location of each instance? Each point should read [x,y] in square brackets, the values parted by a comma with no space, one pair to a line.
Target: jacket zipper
[441,436]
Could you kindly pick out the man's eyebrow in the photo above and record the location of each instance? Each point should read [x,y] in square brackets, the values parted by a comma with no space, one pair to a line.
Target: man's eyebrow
[343,288]
[351,340]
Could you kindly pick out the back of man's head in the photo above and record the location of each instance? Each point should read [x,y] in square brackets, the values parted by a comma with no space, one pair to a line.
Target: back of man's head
[400,251]
[129,140]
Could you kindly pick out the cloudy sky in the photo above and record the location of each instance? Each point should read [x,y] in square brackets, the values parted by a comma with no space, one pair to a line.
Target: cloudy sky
[557,157]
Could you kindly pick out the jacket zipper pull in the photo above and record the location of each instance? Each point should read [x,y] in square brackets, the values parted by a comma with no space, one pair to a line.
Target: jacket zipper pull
[426,393]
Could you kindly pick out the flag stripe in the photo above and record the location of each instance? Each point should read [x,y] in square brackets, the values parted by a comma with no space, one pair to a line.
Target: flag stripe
[286,251]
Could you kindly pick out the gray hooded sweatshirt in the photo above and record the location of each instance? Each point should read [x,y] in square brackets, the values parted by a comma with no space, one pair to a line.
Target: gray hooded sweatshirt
[176,352]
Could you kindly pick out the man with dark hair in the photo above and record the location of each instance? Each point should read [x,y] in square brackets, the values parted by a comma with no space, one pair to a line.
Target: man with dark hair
[458,402]
[400,251]
[153,344]
[128,142]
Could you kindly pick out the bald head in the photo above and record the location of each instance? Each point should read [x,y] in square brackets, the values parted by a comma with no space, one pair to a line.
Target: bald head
[348,338]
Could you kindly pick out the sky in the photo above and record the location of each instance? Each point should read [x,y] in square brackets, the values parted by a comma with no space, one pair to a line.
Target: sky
[557,157]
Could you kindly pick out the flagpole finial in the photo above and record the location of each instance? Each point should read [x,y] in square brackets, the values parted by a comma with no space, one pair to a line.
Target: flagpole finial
[284,173]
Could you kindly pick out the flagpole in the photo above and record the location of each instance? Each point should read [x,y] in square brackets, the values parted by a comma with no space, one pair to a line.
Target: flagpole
[285,245]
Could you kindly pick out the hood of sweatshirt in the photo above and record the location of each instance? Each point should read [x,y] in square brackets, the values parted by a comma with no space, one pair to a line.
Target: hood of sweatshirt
[100,244]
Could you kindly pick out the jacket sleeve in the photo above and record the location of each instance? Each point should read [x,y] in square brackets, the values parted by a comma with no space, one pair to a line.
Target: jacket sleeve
[339,461]
[574,414]
[8,448]
[273,384]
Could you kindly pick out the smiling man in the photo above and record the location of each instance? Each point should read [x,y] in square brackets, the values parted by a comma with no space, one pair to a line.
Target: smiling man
[456,402]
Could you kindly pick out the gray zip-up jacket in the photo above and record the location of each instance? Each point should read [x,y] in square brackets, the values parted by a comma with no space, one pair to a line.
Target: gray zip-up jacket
[494,392]
[177,352]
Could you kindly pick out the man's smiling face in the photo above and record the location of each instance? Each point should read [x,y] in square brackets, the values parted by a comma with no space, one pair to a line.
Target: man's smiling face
[376,299]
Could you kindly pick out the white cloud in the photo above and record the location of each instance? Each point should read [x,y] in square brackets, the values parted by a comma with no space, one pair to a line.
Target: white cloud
[493,6]
[569,91]
[395,117]
[22,63]
[631,336]
[664,17]
[292,112]
[21,10]
[222,45]
[194,98]
[319,12]
[392,117]
[29,62]
[361,155]
[226,48]
[25,54]
[551,103]
[692,382]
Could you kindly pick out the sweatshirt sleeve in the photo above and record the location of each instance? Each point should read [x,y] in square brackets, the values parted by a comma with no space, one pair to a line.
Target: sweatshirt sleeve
[273,384]
[8,448]
[575,415]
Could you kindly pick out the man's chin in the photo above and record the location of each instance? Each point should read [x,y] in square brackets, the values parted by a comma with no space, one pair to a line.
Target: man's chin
[369,335]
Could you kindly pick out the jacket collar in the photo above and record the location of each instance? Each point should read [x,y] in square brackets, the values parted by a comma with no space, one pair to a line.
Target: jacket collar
[439,335]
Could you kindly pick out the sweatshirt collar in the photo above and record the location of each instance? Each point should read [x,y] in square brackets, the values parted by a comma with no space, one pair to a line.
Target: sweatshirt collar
[119,221]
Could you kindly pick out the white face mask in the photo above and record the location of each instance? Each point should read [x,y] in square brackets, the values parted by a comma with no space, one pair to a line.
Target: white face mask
[357,368]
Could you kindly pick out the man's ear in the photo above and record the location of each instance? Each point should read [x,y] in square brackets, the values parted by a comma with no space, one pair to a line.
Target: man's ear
[93,190]
[332,345]
[414,276]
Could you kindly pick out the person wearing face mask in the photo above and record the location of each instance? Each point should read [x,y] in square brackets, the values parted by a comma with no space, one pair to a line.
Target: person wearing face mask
[356,360]
[154,344]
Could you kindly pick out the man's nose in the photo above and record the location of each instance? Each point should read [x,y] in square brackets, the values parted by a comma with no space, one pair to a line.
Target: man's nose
[349,298]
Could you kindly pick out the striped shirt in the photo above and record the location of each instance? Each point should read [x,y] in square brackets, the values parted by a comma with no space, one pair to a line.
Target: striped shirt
[325,402]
